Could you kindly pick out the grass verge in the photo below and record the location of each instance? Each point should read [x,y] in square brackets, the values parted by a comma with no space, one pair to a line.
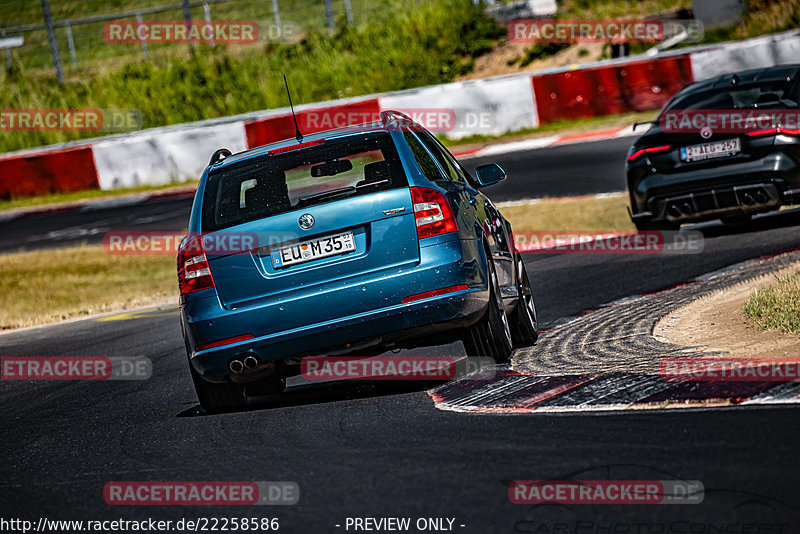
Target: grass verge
[607,213]
[418,45]
[86,280]
[777,307]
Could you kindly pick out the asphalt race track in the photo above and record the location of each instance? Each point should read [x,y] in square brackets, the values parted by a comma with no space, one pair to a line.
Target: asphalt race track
[384,449]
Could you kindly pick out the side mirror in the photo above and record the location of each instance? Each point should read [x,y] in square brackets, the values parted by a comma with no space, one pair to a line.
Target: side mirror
[489,174]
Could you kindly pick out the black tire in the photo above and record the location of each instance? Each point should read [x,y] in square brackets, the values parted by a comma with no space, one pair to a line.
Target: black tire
[665,226]
[524,322]
[218,397]
[491,336]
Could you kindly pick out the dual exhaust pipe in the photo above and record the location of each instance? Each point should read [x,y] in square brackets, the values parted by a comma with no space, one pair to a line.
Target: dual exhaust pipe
[751,199]
[747,197]
[680,209]
[241,363]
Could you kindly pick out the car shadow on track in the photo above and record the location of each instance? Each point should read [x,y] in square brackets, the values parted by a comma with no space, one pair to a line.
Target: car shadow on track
[322,393]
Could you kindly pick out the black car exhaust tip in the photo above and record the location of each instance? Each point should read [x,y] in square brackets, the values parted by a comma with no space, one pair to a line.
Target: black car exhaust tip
[682,209]
[674,211]
[236,366]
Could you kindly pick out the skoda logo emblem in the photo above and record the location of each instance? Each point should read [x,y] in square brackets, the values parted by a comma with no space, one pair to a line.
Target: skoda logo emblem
[706,132]
[306,221]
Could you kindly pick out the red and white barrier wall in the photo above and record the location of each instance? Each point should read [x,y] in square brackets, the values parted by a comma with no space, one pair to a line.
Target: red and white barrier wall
[162,156]
[488,106]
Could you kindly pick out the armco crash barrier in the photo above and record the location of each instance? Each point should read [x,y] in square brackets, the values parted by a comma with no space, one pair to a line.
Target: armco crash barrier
[271,129]
[47,171]
[609,90]
[168,154]
[767,51]
[164,155]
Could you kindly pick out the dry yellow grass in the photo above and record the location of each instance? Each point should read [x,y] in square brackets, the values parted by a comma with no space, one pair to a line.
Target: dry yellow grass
[53,285]
[777,307]
[582,213]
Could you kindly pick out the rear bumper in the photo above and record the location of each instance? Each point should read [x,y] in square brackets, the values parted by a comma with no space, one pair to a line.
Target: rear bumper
[751,187]
[354,315]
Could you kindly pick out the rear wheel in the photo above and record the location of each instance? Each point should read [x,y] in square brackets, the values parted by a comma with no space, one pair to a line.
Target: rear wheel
[524,323]
[491,336]
[217,397]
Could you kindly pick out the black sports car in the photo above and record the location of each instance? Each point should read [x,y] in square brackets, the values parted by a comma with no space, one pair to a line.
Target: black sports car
[724,148]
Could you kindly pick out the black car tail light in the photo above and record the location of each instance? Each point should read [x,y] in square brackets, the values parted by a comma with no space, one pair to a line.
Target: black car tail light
[636,154]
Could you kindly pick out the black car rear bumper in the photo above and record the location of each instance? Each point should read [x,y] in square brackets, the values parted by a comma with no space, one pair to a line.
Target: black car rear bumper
[743,188]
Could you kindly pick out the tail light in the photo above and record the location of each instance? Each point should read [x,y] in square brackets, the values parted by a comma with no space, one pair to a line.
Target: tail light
[774,131]
[636,154]
[432,213]
[194,273]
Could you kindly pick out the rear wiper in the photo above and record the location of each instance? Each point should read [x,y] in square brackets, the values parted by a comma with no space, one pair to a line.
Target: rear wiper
[326,194]
[371,184]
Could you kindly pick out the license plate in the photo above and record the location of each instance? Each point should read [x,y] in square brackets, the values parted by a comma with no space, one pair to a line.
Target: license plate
[330,245]
[718,149]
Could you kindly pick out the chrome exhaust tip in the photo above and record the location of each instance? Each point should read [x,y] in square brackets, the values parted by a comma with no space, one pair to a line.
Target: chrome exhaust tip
[251,362]
[236,366]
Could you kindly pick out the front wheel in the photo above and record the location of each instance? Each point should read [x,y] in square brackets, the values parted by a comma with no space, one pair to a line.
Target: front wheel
[524,323]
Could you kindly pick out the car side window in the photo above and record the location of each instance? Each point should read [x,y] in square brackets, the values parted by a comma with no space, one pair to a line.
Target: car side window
[452,171]
[424,159]
[456,166]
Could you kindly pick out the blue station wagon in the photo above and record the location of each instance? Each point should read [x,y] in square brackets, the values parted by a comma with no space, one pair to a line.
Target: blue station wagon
[352,241]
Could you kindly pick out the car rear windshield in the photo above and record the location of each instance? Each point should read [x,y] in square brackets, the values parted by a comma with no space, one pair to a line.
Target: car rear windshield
[775,94]
[273,184]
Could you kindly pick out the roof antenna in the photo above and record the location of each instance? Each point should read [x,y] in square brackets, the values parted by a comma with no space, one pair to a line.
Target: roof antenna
[298,135]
